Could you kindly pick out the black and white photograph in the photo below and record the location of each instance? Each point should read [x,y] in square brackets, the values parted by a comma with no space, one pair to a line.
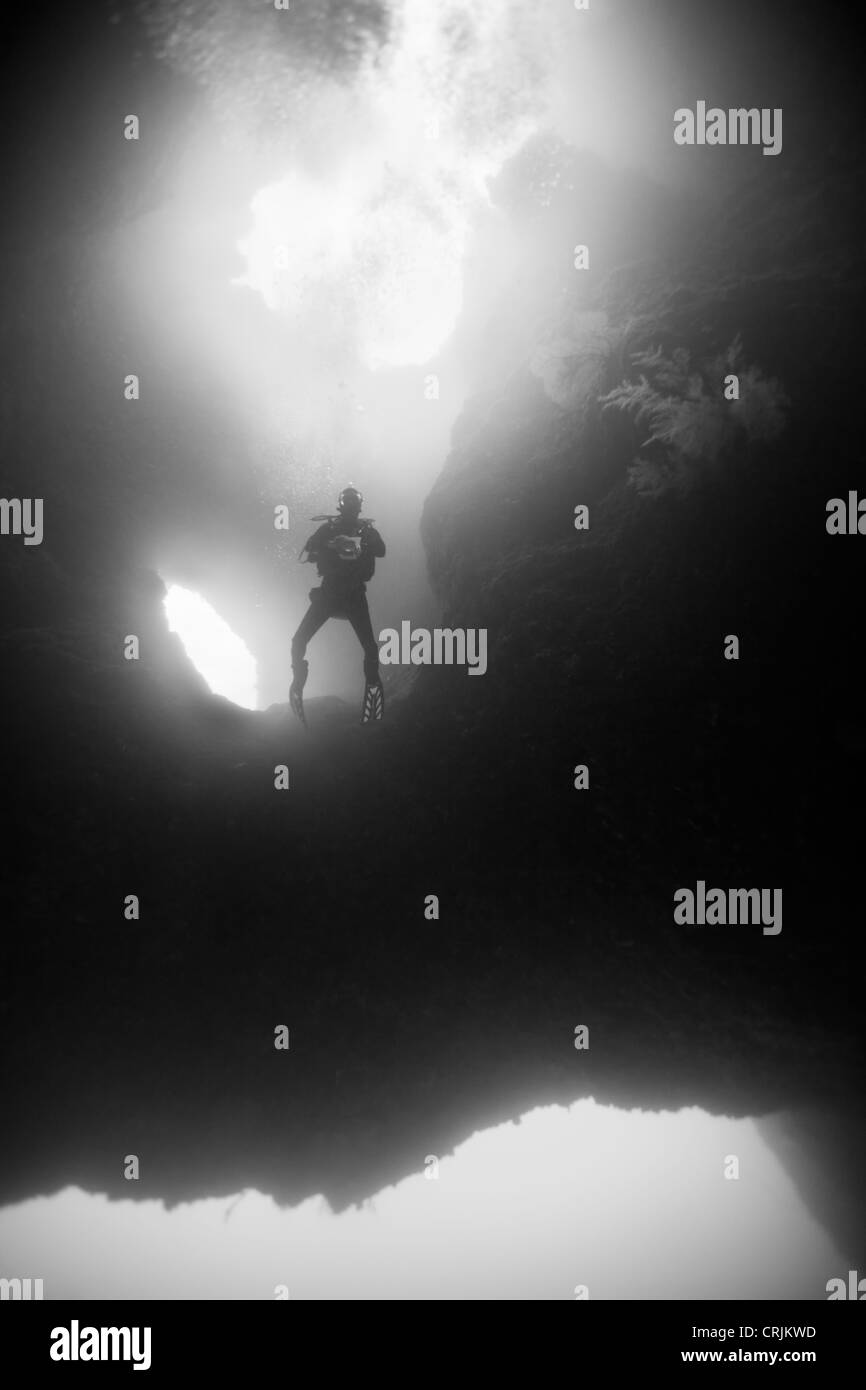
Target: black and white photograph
[432,565]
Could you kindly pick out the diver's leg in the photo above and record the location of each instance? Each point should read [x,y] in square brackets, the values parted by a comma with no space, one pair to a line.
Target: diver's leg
[374,695]
[316,615]
[359,617]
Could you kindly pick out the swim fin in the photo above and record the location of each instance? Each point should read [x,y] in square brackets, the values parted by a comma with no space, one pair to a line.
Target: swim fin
[374,704]
[296,700]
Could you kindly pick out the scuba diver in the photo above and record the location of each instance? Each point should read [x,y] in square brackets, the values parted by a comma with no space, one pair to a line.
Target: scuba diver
[344,550]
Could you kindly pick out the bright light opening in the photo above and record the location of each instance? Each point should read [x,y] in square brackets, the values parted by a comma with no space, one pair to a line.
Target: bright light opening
[215,651]
[625,1203]
[376,234]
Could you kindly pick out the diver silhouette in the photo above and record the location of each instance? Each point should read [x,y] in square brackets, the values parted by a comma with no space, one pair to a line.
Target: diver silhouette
[344,550]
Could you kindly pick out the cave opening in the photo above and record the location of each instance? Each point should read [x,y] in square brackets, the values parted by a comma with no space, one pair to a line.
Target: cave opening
[217,653]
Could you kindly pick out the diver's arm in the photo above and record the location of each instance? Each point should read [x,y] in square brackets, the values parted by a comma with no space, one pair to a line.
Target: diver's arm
[313,547]
[373,541]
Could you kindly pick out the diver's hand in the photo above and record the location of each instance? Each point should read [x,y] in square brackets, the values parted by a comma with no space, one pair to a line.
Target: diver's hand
[347,547]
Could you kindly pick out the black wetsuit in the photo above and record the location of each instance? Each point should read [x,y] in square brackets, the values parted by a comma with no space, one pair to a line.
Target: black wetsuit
[345,568]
